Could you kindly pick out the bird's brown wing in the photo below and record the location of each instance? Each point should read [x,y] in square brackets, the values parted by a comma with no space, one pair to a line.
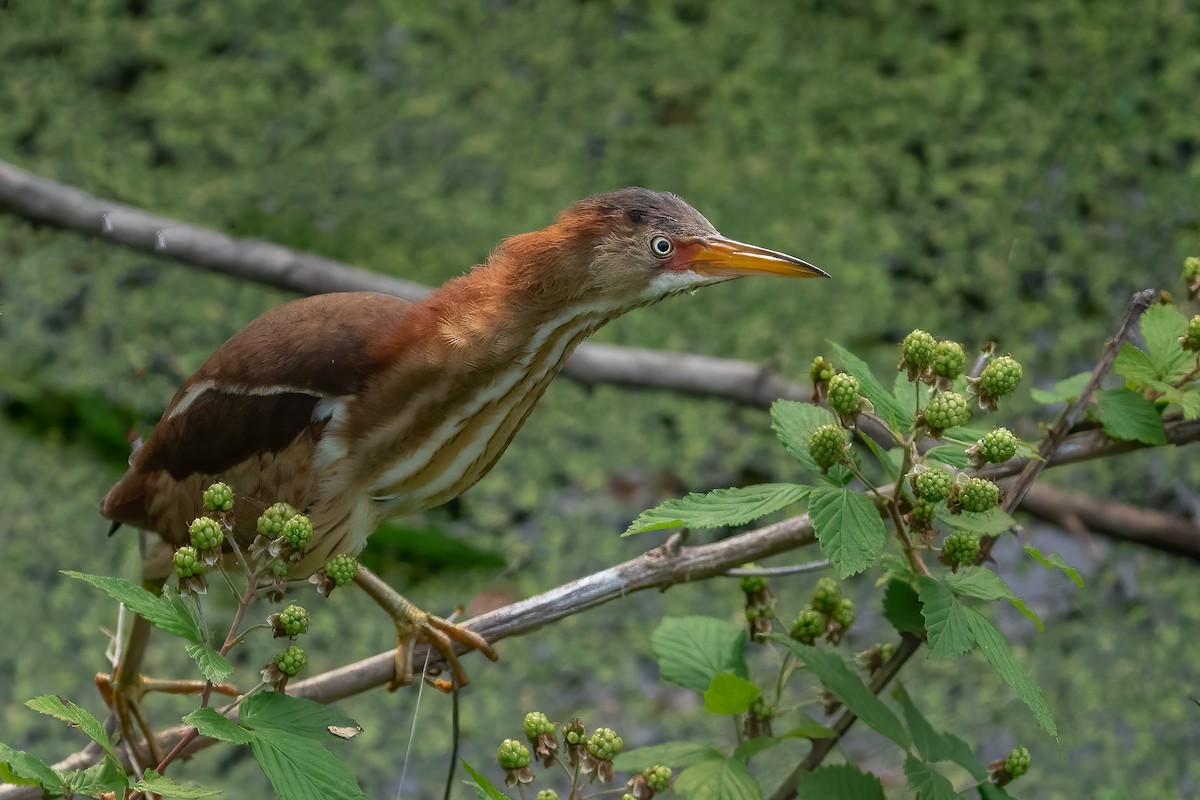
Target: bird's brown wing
[263,392]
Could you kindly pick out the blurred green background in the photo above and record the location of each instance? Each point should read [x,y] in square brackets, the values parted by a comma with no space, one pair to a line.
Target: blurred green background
[979,169]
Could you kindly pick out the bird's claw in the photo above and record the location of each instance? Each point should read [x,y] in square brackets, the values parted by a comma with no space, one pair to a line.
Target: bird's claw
[441,635]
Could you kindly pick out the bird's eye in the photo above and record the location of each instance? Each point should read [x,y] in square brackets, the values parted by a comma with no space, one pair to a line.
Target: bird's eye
[661,246]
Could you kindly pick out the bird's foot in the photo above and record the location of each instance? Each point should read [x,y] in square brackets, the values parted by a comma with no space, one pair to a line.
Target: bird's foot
[414,625]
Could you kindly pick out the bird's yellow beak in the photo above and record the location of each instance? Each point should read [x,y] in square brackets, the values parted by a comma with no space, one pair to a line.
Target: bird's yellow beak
[719,257]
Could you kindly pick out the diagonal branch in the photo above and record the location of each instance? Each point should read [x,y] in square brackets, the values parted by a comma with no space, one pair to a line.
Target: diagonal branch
[659,568]
[30,197]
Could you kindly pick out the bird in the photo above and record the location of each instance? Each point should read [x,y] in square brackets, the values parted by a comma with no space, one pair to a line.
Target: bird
[357,407]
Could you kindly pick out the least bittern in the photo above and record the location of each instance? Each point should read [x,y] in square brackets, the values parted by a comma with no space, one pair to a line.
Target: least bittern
[358,407]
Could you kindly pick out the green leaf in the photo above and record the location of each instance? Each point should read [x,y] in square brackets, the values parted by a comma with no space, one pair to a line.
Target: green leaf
[902,607]
[1128,415]
[793,422]
[896,413]
[1161,328]
[848,527]
[846,686]
[808,728]
[300,769]
[74,716]
[214,726]
[718,779]
[752,747]
[729,694]
[214,666]
[995,648]
[926,782]
[106,776]
[27,770]
[719,507]
[293,715]
[945,619]
[159,784]
[992,522]
[839,782]
[1066,389]
[486,790]
[168,613]
[1135,366]
[929,743]
[691,650]
[1055,561]
[671,754]
[951,455]
[1190,402]
[982,583]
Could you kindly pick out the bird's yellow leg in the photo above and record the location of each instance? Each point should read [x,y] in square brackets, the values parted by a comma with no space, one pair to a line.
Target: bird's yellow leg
[413,625]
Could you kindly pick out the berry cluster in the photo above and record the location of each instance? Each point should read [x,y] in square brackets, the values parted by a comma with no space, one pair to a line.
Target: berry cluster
[845,396]
[932,484]
[829,445]
[292,621]
[960,549]
[975,495]
[998,379]
[271,521]
[218,497]
[1191,335]
[995,447]
[925,359]
[829,614]
[1011,767]
[945,410]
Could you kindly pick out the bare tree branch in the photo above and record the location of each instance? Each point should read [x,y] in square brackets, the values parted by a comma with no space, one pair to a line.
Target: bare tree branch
[30,197]
[659,568]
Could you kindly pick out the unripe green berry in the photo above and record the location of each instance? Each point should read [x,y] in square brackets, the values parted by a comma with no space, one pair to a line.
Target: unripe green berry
[932,484]
[271,521]
[1017,762]
[978,494]
[1191,268]
[294,620]
[1191,336]
[922,513]
[297,531]
[605,744]
[997,446]
[574,733]
[809,626]
[536,724]
[947,410]
[845,394]
[512,754]
[960,549]
[844,613]
[205,533]
[341,569]
[291,661]
[916,352]
[948,360]
[187,562]
[1000,378]
[547,794]
[218,497]
[752,584]
[821,370]
[827,445]
[826,596]
[657,777]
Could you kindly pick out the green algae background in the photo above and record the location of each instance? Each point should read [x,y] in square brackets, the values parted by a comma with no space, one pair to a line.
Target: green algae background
[983,170]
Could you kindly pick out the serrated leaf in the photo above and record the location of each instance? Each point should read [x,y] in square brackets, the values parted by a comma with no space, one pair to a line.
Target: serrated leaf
[808,728]
[211,724]
[994,647]
[1066,389]
[1162,325]
[1128,415]
[719,507]
[297,716]
[848,528]
[846,686]
[691,650]
[926,782]
[982,583]
[170,616]
[1135,366]
[73,715]
[945,619]
[902,608]
[161,785]
[29,770]
[671,754]
[930,744]
[1055,561]
[839,782]
[951,455]
[214,665]
[749,748]
[992,522]
[485,789]
[1190,402]
[793,422]
[896,413]
[106,776]
[729,694]
[718,779]
[300,769]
